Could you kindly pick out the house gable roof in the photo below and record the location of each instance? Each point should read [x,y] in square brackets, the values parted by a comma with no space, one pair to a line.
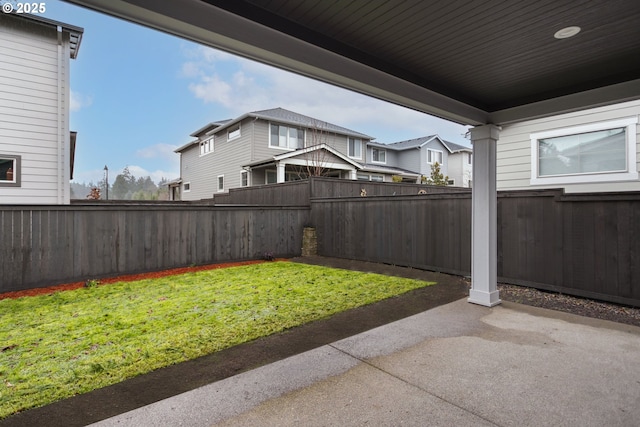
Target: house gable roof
[302,151]
[421,142]
[281,115]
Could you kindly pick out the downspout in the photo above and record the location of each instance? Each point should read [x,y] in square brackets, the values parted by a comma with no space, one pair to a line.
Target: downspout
[60,141]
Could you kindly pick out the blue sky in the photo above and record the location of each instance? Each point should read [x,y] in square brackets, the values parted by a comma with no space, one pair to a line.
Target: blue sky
[137,94]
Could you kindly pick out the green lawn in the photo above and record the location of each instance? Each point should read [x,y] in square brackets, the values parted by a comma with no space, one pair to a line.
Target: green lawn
[67,343]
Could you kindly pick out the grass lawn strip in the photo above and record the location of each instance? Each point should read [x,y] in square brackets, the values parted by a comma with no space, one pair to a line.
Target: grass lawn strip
[59,345]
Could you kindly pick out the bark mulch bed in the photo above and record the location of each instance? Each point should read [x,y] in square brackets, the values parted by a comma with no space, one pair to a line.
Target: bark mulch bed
[126,278]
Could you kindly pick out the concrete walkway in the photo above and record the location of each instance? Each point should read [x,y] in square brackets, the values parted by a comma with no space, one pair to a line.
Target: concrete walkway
[457,364]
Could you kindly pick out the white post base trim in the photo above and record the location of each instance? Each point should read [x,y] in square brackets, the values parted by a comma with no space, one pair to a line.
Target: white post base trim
[488,299]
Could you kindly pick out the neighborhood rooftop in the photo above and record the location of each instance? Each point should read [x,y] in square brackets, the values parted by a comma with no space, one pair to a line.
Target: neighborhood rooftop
[419,142]
[289,117]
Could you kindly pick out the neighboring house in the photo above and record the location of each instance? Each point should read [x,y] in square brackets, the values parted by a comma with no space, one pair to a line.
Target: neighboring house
[586,151]
[272,146]
[36,145]
[420,154]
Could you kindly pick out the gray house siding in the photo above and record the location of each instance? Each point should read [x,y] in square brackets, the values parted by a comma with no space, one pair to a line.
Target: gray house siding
[410,160]
[434,145]
[514,151]
[34,111]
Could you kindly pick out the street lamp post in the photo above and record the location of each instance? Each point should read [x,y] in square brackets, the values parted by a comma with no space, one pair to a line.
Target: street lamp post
[106,182]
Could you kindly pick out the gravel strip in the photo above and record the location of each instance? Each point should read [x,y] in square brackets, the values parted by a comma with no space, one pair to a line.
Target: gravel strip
[570,304]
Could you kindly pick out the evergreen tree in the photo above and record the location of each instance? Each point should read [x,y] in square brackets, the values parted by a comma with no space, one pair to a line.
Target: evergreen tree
[436,178]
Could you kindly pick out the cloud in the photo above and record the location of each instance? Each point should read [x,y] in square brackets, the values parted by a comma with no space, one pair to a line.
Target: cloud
[77,101]
[240,85]
[162,151]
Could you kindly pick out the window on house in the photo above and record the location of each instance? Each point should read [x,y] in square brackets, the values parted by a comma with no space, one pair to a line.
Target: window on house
[220,182]
[469,158]
[186,187]
[451,182]
[286,137]
[434,156]
[233,132]
[355,148]
[596,152]
[206,146]
[379,155]
[369,177]
[244,178]
[10,170]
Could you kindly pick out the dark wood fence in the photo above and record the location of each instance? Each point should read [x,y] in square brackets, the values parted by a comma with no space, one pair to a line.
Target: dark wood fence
[430,232]
[48,245]
[585,245]
[295,193]
[582,244]
[299,193]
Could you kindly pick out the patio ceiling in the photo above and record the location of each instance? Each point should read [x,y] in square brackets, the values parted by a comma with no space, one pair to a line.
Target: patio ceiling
[473,62]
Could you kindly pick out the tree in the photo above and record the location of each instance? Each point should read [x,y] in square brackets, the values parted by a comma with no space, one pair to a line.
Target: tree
[94,194]
[124,185]
[315,160]
[436,178]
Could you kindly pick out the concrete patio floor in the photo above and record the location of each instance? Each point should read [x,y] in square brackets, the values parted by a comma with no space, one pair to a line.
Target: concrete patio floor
[456,364]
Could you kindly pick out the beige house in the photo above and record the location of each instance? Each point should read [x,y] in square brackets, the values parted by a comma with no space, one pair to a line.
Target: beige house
[585,151]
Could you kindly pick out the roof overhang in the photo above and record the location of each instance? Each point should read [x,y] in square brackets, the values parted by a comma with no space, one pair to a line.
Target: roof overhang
[75,33]
[185,146]
[301,152]
[468,62]
[389,171]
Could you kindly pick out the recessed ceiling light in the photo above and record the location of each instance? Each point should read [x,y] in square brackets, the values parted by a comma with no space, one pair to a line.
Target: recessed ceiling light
[567,32]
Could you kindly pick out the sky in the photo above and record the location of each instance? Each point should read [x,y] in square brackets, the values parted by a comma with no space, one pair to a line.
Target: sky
[137,94]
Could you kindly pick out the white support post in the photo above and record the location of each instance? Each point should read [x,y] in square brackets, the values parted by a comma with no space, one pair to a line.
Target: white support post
[353,174]
[484,223]
[280,173]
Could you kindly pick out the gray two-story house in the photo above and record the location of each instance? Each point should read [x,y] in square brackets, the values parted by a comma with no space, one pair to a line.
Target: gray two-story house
[420,154]
[272,146]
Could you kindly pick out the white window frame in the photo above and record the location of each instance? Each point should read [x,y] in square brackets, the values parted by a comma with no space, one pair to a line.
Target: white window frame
[379,150]
[372,177]
[207,146]
[431,150]
[220,189]
[244,178]
[186,187]
[451,182]
[357,142]
[287,148]
[266,176]
[629,175]
[16,168]
[234,132]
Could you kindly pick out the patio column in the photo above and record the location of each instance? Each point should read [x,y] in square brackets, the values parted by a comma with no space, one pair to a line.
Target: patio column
[353,174]
[484,218]
[280,172]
